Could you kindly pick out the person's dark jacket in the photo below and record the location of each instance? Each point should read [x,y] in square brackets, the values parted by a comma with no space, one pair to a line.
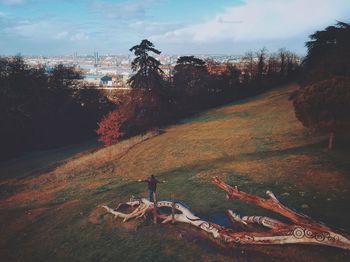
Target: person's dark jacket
[152,184]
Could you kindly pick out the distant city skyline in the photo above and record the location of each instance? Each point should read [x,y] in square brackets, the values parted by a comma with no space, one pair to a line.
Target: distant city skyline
[59,27]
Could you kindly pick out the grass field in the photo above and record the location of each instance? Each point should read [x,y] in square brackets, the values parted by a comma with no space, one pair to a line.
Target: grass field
[256,144]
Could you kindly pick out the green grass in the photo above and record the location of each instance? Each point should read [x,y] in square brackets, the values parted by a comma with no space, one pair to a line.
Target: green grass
[256,144]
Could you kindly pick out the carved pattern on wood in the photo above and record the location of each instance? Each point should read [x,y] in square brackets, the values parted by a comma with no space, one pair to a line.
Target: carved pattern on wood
[302,230]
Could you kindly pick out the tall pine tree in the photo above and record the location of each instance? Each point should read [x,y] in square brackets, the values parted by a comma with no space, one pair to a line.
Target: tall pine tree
[148,74]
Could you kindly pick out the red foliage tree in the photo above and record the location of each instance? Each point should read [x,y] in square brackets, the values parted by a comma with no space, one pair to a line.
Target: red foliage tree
[109,128]
[139,112]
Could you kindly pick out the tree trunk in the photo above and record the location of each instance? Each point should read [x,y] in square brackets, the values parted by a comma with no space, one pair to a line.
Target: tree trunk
[330,141]
[302,230]
[155,208]
[172,209]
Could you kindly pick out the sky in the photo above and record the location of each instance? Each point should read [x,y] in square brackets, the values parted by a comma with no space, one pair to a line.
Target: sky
[58,27]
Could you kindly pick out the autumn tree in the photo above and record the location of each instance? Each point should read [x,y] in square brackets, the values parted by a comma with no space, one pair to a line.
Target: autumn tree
[325,106]
[111,128]
[145,106]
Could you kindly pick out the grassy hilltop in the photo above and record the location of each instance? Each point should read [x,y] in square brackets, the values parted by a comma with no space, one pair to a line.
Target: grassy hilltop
[256,144]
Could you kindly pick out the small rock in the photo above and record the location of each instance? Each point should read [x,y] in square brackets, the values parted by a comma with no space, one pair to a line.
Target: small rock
[285,194]
[302,193]
[304,206]
[329,199]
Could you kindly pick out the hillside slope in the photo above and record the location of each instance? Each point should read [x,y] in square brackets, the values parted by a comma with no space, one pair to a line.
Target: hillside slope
[256,144]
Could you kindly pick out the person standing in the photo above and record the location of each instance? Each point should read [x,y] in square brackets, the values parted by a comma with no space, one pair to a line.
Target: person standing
[152,186]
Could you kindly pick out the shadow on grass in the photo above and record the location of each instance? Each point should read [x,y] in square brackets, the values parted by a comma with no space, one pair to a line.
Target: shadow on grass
[190,185]
[7,190]
[316,148]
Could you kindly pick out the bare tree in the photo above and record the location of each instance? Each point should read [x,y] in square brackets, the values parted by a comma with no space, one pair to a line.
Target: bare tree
[261,54]
[249,64]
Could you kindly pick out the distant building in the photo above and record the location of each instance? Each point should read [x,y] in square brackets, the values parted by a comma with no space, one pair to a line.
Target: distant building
[96,58]
[106,80]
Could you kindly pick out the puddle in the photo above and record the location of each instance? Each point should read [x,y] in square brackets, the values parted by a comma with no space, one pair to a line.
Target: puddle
[220,218]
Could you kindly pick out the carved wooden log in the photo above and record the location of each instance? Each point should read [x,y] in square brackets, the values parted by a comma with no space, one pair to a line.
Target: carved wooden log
[183,214]
[303,229]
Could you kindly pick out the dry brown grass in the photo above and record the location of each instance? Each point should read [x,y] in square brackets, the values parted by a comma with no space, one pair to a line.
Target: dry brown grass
[47,185]
[260,139]
[102,157]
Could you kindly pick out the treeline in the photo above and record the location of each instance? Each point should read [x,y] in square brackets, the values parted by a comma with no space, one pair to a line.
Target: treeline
[193,85]
[197,84]
[42,108]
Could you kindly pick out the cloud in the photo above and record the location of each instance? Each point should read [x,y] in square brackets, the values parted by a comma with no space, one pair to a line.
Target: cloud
[80,36]
[41,30]
[146,28]
[130,10]
[71,36]
[34,29]
[61,35]
[12,2]
[261,20]
[116,25]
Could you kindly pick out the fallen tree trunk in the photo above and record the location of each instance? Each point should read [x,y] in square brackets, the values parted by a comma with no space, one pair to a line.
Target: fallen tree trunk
[302,230]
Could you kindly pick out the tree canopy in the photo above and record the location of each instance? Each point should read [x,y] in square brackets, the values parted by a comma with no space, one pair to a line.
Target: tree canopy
[190,81]
[148,74]
[41,107]
[190,60]
[325,106]
[188,71]
[328,53]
